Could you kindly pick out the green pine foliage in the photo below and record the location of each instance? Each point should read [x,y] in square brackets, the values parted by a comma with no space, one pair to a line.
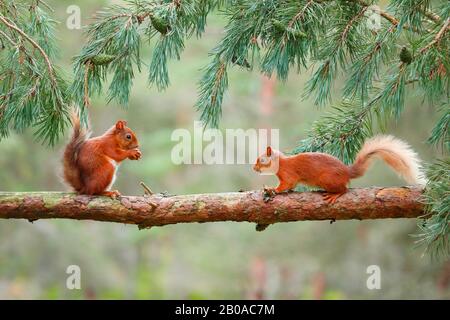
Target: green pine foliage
[440,135]
[33,92]
[341,132]
[435,226]
[405,54]
[119,31]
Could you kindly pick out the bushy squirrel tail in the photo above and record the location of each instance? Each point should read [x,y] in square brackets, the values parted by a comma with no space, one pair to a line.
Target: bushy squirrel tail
[395,152]
[72,174]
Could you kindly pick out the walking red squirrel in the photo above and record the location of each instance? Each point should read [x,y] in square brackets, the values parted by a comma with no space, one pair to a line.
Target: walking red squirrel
[90,164]
[328,172]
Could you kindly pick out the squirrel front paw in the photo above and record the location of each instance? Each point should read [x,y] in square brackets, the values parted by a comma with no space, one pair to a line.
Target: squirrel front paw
[268,194]
[269,191]
[135,154]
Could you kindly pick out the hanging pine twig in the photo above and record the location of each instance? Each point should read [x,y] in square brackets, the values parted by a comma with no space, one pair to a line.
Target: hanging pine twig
[33,92]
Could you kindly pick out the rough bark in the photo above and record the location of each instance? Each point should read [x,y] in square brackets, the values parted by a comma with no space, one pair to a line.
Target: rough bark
[251,206]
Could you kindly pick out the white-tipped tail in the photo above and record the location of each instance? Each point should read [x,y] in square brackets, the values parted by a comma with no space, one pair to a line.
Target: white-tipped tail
[395,152]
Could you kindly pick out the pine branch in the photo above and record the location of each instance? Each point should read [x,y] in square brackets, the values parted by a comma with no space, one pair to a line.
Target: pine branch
[438,36]
[11,41]
[34,44]
[387,16]
[383,13]
[351,22]
[34,94]
[432,16]
[299,16]
[435,224]
[341,132]
[440,134]
[86,100]
[119,30]
[366,66]
[334,55]
[211,96]
[299,24]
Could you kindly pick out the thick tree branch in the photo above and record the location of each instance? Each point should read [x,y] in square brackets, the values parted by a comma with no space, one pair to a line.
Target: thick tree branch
[365,203]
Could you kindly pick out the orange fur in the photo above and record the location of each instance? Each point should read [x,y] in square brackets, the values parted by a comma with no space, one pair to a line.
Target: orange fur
[90,165]
[329,173]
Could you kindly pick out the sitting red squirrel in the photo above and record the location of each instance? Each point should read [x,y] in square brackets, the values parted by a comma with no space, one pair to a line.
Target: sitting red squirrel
[328,172]
[90,164]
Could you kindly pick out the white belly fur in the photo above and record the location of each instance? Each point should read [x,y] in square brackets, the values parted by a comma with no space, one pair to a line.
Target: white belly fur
[116,166]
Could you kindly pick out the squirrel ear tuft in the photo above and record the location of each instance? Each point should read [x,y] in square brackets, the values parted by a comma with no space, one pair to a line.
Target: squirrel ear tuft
[120,124]
[269,151]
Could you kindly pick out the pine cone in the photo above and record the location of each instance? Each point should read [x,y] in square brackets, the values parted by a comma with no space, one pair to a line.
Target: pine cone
[279,27]
[160,24]
[102,59]
[296,33]
[405,56]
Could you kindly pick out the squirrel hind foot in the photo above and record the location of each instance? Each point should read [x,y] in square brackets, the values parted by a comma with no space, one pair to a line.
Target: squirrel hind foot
[112,194]
[331,198]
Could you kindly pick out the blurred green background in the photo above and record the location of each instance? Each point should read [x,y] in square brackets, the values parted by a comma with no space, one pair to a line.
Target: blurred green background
[313,260]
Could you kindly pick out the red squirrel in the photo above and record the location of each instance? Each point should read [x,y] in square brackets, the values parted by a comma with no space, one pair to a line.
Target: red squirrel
[329,173]
[90,164]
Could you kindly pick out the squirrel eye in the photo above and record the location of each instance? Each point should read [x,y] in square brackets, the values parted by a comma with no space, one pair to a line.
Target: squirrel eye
[264,160]
[128,136]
